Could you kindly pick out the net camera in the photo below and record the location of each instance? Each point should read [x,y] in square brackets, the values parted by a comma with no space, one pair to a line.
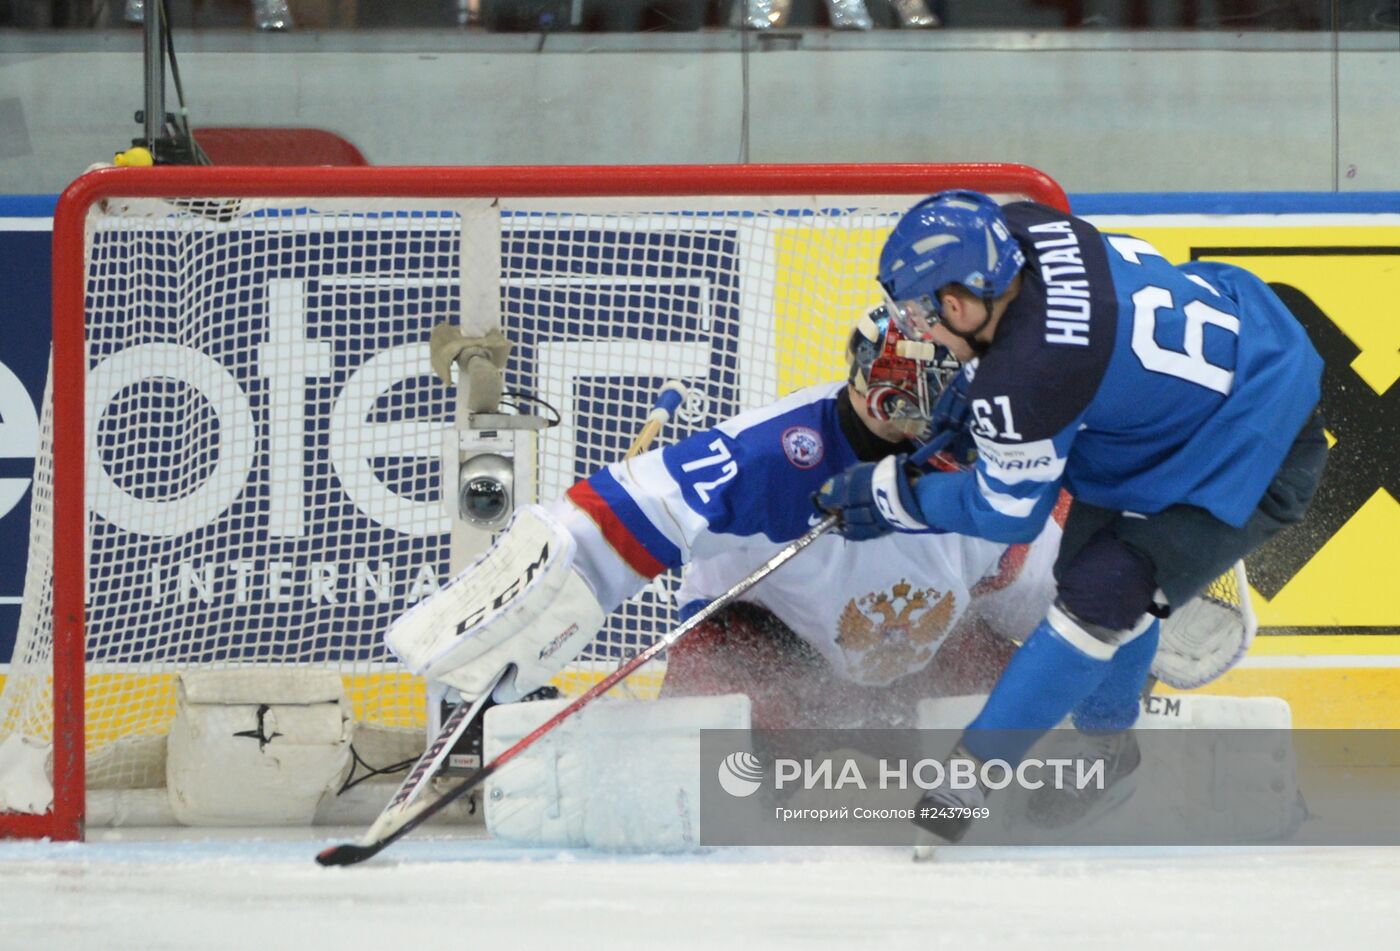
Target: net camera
[485,490]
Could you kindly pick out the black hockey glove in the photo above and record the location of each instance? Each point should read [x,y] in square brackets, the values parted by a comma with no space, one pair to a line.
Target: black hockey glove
[873,499]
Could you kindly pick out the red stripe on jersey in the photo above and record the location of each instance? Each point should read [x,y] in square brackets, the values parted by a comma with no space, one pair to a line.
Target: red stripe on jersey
[1013,560]
[1008,570]
[616,534]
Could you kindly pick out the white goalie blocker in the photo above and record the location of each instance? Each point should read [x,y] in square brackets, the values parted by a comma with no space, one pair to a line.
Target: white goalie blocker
[521,605]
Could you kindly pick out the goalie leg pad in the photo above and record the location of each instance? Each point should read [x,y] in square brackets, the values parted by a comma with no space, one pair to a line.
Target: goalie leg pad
[537,798]
[1205,712]
[1214,769]
[1230,776]
[620,777]
[521,603]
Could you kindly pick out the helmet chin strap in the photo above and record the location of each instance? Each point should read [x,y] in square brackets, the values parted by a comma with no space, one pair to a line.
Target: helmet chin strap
[969,337]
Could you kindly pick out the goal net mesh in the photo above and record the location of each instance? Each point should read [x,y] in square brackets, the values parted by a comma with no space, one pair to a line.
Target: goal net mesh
[264,436]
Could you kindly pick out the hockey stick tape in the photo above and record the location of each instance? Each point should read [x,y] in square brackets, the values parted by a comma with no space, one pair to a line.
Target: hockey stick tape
[669,400]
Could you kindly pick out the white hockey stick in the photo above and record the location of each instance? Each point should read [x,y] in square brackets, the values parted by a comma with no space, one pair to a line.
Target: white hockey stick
[401,807]
[407,820]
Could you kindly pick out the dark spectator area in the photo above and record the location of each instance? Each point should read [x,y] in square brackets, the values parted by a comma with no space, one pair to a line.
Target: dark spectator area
[692,15]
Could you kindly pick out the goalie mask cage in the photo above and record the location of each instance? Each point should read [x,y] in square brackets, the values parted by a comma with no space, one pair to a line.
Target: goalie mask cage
[241,441]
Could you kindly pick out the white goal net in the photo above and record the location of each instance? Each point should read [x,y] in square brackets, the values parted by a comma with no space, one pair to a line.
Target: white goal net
[260,436]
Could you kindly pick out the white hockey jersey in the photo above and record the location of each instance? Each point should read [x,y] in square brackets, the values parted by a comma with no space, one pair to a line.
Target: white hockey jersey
[721,502]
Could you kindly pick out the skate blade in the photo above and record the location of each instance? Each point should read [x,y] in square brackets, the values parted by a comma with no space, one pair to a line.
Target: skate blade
[926,847]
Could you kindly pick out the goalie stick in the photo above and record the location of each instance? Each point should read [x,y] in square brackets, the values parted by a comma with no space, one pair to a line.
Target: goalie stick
[406,820]
[401,805]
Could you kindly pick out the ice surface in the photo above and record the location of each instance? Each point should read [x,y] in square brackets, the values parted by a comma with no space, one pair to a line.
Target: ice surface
[194,889]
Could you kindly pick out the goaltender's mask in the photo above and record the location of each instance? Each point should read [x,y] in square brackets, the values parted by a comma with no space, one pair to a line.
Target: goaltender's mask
[899,378]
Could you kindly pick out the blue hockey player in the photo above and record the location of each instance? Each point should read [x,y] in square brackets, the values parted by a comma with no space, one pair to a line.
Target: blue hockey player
[1177,404]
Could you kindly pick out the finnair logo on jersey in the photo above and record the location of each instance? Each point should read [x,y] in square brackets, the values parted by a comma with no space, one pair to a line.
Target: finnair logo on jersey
[1014,465]
[1036,460]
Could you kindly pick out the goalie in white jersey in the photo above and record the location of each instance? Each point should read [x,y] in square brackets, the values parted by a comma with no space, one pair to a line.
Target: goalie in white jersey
[850,634]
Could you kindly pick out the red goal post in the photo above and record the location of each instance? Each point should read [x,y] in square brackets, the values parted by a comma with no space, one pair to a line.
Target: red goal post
[118,278]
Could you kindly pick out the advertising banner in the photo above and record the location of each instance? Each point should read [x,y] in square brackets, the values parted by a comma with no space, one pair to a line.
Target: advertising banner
[1324,595]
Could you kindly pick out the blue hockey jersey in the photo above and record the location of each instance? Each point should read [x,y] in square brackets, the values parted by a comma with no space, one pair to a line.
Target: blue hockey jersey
[1133,383]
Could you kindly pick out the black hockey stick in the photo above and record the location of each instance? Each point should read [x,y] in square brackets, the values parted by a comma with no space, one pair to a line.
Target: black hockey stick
[350,853]
[413,785]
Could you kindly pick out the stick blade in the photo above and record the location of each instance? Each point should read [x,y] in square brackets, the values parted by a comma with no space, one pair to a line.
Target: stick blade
[347,853]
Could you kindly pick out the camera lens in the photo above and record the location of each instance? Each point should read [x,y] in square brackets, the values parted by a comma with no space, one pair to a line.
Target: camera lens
[485,485]
[484,499]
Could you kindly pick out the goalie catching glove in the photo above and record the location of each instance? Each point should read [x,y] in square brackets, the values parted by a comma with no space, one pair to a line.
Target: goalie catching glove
[522,604]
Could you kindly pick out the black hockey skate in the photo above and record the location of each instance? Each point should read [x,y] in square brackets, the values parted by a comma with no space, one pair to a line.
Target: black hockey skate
[933,816]
[465,757]
[1068,809]
[947,814]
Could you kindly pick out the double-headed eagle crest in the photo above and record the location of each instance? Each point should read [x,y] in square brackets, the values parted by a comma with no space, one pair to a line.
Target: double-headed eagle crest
[886,635]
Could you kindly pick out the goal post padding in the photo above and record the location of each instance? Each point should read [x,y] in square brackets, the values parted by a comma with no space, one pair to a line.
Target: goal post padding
[240,458]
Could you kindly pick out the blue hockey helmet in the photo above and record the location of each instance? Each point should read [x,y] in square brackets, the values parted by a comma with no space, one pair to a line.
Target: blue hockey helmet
[953,237]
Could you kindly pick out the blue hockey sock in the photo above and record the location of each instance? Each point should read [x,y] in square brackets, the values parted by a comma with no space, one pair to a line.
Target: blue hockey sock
[1046,679]
[1113,705]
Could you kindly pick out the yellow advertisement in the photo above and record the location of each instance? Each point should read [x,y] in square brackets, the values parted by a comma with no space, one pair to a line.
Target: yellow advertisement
[1327,594]
[1343,283]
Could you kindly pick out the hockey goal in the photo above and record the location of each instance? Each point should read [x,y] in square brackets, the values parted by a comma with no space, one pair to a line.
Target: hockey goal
[242,438]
